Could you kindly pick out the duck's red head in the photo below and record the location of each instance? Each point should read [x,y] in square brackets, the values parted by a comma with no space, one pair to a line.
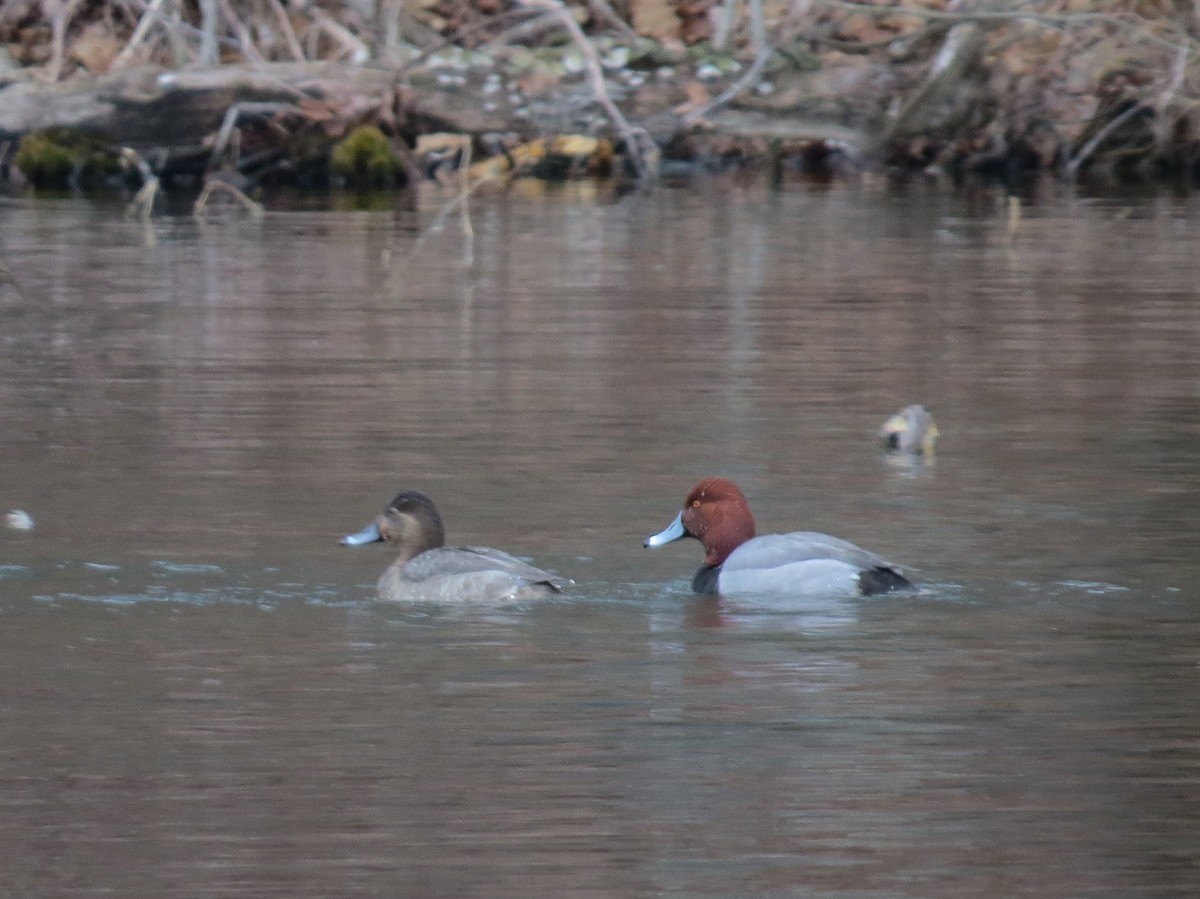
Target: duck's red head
[716,513]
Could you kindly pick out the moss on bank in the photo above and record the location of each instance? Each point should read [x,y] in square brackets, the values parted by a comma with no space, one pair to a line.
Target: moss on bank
[364,159]
[58,159]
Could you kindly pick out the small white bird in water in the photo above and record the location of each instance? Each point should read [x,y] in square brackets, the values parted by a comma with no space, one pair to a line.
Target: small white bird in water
[18,520]
[911,430]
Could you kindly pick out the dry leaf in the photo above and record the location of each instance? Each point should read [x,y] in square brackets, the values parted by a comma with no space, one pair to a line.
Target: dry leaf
[655,18]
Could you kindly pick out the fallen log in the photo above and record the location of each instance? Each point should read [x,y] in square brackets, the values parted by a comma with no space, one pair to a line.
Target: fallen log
[150,107]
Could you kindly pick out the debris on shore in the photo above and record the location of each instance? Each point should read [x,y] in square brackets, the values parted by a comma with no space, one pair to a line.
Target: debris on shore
[379,94]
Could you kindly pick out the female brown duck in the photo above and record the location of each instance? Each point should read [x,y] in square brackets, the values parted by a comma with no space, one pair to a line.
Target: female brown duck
[426,570]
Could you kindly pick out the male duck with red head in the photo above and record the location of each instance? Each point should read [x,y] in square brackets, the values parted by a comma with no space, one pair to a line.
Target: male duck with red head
[802,563]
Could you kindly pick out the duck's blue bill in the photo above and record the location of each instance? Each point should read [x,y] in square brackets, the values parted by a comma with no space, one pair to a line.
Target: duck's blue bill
[369,534]
[673,531]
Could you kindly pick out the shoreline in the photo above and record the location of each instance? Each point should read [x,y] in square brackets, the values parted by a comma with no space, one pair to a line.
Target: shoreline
[911,87]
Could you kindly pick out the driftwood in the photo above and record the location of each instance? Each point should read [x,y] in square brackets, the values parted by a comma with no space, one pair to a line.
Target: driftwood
[795,129]
[188,116]
[153,108]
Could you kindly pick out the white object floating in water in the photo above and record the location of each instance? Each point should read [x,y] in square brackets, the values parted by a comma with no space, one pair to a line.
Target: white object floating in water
[19,520]
[911,430]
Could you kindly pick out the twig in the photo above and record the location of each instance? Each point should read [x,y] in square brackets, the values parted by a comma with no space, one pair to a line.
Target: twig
[143,201]
[230,122]
[960,48]
[464,193]
[216,184]
[245,42]
[465,188]
[759,37]
[1090,147]
[357,50]
[139,34]
[209,15]
[596,78]
[289,33]
[1167,97]
[181,53]
[724,26]
[465,32]
[523,31]
[175,28]
[610,15]
[387,21]
[1178,71]
[58,28]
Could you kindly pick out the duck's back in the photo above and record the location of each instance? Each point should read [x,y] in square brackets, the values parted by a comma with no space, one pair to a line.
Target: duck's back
[476,573]
[807,562]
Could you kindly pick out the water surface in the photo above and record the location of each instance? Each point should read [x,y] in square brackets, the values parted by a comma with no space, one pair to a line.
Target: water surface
[203,698]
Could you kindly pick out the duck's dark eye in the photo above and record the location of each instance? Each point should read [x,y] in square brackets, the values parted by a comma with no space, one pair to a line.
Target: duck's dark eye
[695,504]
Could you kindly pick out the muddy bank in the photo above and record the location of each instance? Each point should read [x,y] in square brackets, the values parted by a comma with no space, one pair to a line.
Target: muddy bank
[368,94]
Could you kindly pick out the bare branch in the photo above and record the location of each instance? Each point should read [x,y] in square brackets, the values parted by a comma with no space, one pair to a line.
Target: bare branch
[529,29]
[214,185]
[230,122]
[289,33]
[595,73]
[961,47]
[142,203]
[1102,135]
[606,12]
[209,15]
[139,34]
[758,31]
[245,42]
[1164,123]
[464,193]
[61,18]
[724,26]
[357,50]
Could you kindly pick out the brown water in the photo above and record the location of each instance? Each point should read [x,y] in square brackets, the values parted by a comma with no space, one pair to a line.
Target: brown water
[201,697]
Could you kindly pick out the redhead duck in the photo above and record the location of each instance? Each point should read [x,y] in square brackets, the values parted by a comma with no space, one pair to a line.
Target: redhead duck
[804,562]
[427,570]
[911,430]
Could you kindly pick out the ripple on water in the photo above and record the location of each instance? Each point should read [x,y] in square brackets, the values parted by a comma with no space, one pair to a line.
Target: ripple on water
[165,567]
[1097,588]
[162,581]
